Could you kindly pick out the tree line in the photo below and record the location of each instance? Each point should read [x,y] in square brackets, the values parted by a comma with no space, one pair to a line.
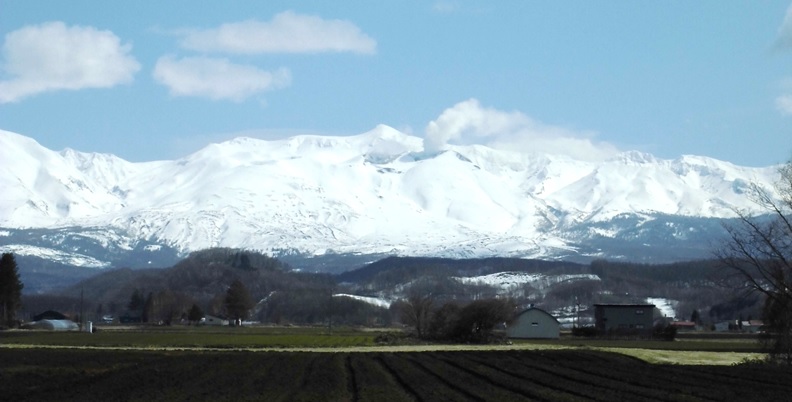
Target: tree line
[471,322]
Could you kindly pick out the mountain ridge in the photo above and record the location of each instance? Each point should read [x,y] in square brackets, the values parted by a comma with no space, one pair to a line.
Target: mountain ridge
[374,193]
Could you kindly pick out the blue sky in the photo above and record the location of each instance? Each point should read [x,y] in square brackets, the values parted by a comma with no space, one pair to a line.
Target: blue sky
[158,80]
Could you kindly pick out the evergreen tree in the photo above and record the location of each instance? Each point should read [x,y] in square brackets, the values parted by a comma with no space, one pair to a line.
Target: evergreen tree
[136,303]
[238,301]
[195,314]
[10,289]
[148,308]
[695,317]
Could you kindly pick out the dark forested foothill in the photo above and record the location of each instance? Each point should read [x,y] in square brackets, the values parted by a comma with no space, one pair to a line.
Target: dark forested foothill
[273,292]
[283,294]
[391,271]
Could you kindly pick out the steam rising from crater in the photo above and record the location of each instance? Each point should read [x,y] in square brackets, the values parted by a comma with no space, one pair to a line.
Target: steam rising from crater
[468,122]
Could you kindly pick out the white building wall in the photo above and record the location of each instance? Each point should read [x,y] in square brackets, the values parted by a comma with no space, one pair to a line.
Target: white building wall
[534,324]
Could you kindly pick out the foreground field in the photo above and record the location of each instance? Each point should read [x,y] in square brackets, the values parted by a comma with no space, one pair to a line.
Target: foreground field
[722,350]
[547,375]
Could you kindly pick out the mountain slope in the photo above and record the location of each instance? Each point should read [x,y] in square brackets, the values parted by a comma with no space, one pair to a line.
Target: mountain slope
[377,192]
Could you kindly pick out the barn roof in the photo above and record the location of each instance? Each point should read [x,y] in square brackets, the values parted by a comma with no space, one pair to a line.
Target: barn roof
[537,310]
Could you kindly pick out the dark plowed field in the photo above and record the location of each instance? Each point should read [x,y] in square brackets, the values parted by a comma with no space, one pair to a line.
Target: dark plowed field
[104,375]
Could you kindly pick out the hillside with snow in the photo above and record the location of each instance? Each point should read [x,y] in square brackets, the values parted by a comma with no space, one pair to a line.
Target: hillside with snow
[373,193]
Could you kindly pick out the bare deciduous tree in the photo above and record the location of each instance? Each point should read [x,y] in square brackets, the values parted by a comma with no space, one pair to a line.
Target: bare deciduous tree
[759,254]
[417,312]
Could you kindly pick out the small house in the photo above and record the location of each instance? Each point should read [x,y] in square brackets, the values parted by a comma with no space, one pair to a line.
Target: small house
[684,326]
[752,326]
[216,321]
[724,326]
[624,317]
[534,323]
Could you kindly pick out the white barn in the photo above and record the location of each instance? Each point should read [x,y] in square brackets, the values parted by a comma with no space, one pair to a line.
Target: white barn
[534,323]
[216,321]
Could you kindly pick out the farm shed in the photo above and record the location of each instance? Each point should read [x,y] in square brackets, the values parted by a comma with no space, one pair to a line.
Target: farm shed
[624,317]
[752,326]
[724,326]
[534,323]
[212,320]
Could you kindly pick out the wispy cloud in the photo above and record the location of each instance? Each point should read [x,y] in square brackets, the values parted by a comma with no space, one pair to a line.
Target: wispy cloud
[53,56]
[216,78]
[784,39]
[444,6]
[784,104]
[468,122]
[287,32]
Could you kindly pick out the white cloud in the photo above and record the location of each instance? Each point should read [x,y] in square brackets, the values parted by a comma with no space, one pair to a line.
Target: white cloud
[287,32]
[784,40]
[216,79]
[53,56]
[784,104]
[468,122]
[444,6]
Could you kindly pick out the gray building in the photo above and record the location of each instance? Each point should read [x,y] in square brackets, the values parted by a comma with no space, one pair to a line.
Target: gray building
[534,323]
[215,321]
[624,317]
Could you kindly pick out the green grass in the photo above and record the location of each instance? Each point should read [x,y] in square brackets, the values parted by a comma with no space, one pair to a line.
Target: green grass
[686,357]
[197,337]
[713,351]
[703,345]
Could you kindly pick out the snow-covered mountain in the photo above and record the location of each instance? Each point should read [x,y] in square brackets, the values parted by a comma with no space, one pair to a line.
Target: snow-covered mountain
[374,193]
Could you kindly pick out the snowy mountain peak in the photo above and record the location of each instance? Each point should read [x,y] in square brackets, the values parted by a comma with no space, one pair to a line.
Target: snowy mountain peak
[635,157]
[377,192]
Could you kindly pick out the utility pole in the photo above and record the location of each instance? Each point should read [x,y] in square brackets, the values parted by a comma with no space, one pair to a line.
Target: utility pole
[82,319]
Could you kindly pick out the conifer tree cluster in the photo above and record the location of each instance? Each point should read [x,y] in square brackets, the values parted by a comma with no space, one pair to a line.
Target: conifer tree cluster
[10,289]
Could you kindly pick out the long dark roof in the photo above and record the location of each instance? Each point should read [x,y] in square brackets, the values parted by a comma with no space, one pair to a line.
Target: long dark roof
[623,305]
